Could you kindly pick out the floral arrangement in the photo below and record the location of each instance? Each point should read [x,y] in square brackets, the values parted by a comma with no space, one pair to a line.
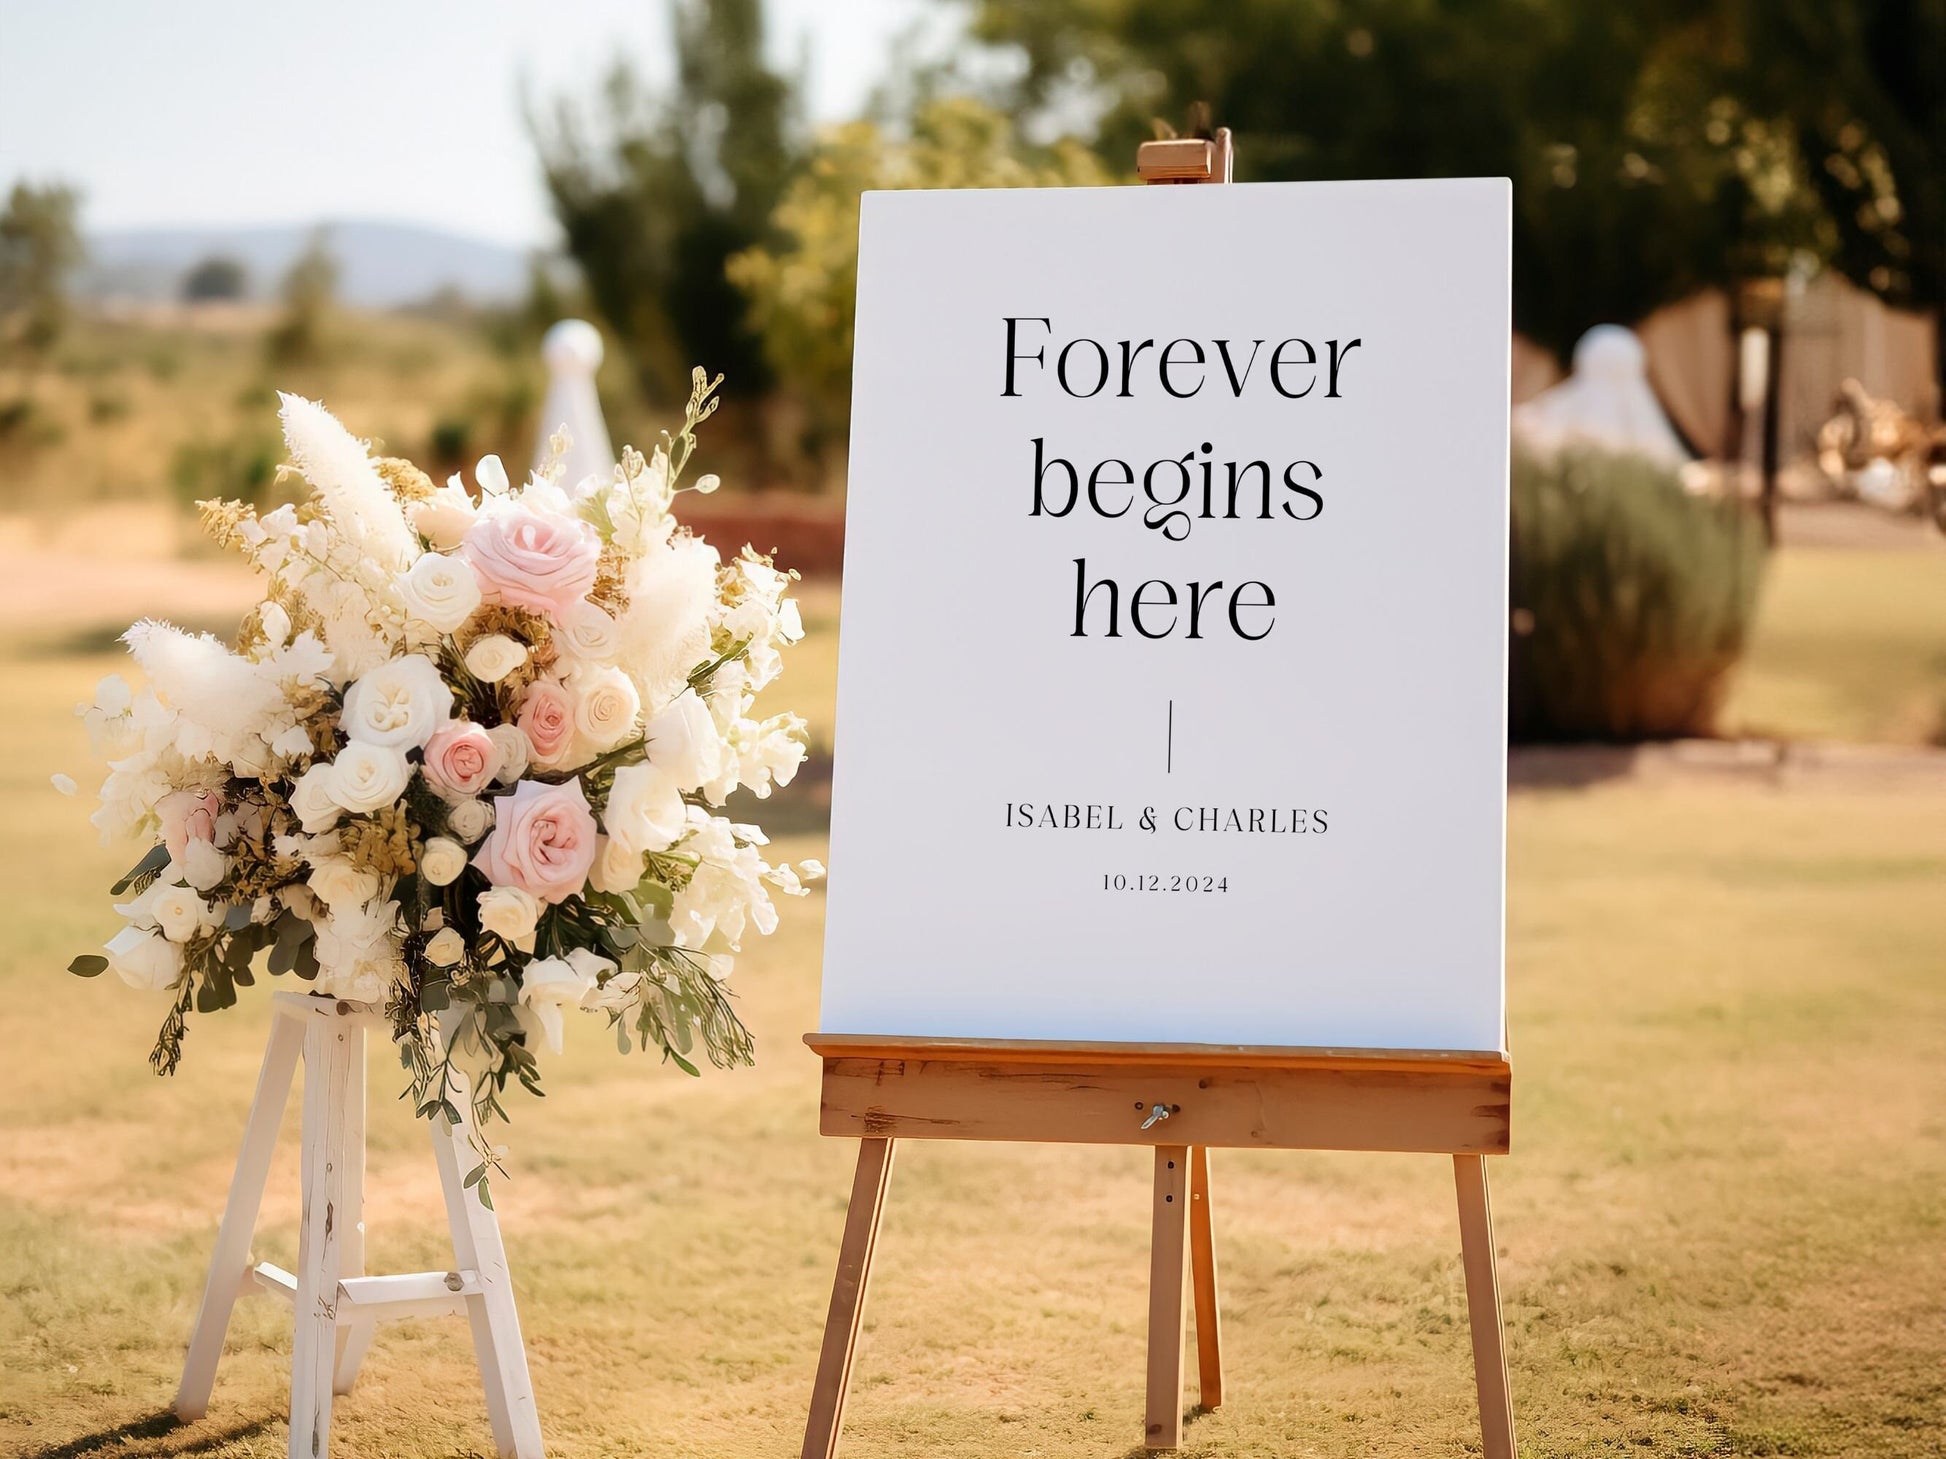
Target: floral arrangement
[464,762]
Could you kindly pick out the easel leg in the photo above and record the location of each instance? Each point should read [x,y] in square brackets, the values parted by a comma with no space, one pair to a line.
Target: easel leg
[848,1298]
[353,1338]
[1168,1265]
[496,1324]
[1483,1307]
[230,1261]
[1202,1272]
[321,1236]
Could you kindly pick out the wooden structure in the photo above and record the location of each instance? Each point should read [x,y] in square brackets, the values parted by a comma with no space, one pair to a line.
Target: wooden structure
[337,1306]
[1181,1099]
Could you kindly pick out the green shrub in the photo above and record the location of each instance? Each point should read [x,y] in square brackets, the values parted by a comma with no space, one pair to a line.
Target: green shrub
[1632,599]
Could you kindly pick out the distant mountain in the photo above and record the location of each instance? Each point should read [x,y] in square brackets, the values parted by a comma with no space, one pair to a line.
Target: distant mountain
[382,264]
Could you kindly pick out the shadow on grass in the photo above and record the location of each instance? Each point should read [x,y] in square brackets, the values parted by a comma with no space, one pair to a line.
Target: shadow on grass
[1189,1417]
[195,1438]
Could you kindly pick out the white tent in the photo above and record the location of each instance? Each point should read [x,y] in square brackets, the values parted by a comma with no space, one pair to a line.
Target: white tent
[1606,402]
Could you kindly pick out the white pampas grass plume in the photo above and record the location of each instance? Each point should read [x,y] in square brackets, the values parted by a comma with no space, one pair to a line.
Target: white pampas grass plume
[221,699]
[339,466]
[665,629]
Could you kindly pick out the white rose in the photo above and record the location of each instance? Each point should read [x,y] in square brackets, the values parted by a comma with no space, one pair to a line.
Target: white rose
[684,741]
[440,591]
[605,707]
[180,913]
[511,741]
[492,658]
[144,959]
[589,632]
[337,883]
[443,861]
[445,948]
[311,800]
[400,703]
[469,819]
[645,811]
[442,518]
[203,866]
[365,777]
[616,868]
[510,913]
[548,985]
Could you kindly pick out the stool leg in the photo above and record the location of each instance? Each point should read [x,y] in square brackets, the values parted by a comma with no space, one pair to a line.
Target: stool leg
[353,1337]
[320,1245]
[496,1325]
[230,1262]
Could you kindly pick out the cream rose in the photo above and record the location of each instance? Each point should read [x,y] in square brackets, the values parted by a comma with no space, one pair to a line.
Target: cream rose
[440,591]
[683,740]
[442,861]
[590,633]
[144,959]
[365,777]
[445,948]
[547,986]
[179,913]
[510,913]
[606,707]
[461,759]
[547,719]
[543,841]
[311,800]
[538,560]
[512,745]
[443,518]
[399,704]
[469,819]
[616,868]
[337,883]
[495,656]
[645,811]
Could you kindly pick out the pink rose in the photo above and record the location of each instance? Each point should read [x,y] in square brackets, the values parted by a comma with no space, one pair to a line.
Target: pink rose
[543,841]
[533,559]
[188,815]
[547,719]
[460,759]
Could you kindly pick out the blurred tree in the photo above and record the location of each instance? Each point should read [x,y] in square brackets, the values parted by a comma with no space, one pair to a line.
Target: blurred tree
[803,287]
[216,277]
[309,290]
[1655,147]
[40,246]
[666,191]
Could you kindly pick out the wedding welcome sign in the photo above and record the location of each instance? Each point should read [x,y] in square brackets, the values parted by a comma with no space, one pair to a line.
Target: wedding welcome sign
[1172,678]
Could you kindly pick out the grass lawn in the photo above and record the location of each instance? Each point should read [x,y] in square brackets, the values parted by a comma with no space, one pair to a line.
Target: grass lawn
[1723,1226]
[1850,644]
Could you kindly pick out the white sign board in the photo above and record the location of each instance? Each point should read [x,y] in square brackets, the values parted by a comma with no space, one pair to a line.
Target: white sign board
[1172,659]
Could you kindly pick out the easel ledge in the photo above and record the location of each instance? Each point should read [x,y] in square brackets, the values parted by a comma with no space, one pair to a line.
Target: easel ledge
[1434,1101]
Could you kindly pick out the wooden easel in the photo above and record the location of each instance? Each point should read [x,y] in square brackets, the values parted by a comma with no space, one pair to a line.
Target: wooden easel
[337,1306]
[1182,1099]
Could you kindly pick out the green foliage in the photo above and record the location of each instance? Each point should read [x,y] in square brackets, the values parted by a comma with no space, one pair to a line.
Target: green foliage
[40,246]
[665,191]
[309,292]
[238,467]
[1655,147]
[1632,599]
[216,277]
[803,288]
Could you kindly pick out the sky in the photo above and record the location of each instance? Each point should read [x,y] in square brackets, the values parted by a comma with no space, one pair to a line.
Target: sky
[216,112]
